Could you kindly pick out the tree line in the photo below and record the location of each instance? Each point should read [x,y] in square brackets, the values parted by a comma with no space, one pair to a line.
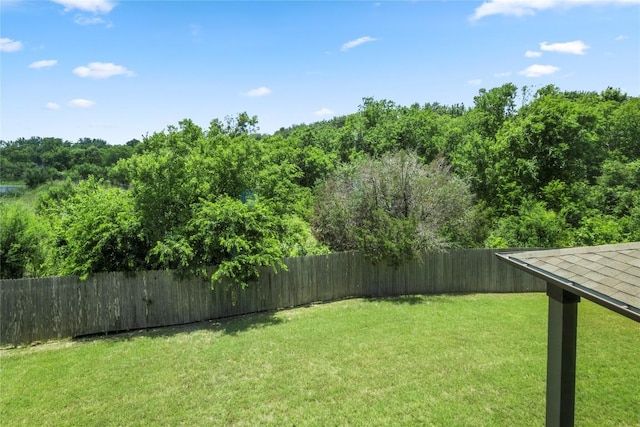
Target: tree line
[548,168]
[35,161]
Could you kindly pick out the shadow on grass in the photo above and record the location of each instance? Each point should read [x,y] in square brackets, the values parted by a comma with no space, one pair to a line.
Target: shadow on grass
[238,324]
[228,326]
[411,299]
[235,325]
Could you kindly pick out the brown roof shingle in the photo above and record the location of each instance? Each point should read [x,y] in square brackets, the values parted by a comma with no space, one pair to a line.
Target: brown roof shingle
[608,274]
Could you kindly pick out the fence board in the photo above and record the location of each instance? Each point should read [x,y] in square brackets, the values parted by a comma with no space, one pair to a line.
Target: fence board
[45,308]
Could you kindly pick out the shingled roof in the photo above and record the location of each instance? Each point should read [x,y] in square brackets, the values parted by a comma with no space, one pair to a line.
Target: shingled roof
[608,275]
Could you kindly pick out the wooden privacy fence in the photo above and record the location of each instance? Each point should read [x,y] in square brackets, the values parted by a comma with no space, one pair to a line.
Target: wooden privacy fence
[56,307]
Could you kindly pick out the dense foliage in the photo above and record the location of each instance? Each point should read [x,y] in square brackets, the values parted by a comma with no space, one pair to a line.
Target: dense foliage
[93,228]
[517,168]
[38,160]
[21,252]
[390,208]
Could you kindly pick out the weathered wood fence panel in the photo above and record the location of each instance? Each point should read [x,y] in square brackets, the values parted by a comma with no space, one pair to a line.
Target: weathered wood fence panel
[56,307]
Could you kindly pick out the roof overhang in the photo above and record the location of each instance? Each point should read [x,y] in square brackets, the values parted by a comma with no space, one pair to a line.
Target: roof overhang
[581,271]
[607,275]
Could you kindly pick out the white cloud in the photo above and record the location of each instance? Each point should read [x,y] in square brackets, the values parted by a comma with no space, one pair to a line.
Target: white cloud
[88,20]
[81,103]
[537,70]
[501,7]
[102,70]
[261,91]
[93,6]
[532,54]
[505,74]
[323,112]
[44,63]
[530,7]
[52,106]
[576,47]
[621,37]
[8,45]
[357,42]
[474,82]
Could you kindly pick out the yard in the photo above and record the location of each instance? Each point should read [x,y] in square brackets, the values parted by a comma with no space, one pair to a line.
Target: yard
[417,360]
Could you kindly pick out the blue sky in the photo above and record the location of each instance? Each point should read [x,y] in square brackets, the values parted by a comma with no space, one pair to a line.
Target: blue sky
[118,70]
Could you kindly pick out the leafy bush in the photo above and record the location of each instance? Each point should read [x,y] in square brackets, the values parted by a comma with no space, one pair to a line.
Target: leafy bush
[390,208]
[534,226]
[237,237]
[21,234]
[36,176]
[95,229]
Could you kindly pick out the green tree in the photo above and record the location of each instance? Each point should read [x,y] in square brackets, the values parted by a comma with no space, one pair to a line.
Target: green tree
[471,141]
[36,176]
[618,187]
[533,226]
[493,107]
[390,208]
[228,181]
[553,139]
[239,238]
[632,223]
[599,230]
[21,236]
[94,229]
[624,130]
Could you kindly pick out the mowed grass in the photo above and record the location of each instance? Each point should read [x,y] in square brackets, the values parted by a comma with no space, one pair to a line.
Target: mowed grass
[474,360]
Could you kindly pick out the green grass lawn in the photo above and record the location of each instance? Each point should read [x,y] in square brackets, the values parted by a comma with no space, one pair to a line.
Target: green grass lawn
[475,360]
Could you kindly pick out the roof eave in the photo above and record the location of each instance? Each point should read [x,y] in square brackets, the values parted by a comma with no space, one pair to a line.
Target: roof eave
[613,304]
